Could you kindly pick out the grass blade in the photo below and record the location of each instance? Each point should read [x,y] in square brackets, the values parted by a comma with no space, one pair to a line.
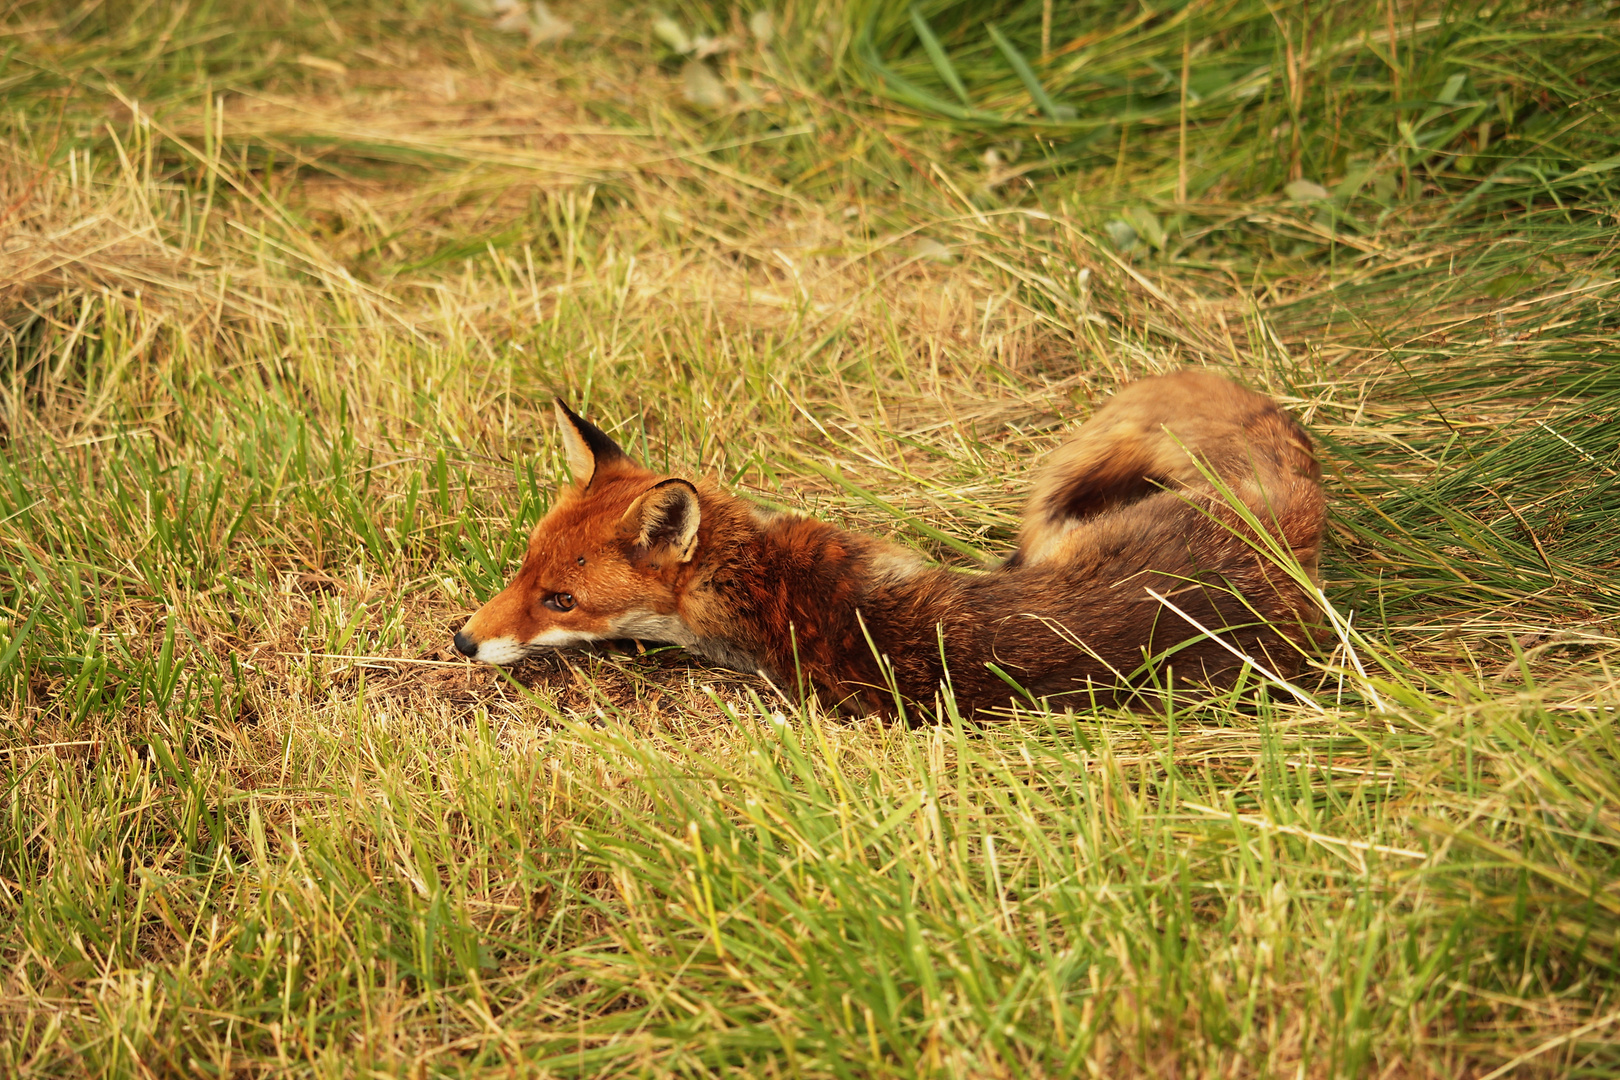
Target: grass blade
[1026,75]
[936,54]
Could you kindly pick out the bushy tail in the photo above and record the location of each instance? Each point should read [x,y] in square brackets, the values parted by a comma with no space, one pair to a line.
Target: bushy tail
[1142,443]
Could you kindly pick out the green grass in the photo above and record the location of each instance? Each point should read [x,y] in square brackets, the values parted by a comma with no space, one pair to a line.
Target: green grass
[284,294]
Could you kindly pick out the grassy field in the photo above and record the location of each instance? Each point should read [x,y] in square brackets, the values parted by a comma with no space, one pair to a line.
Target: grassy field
[285,290]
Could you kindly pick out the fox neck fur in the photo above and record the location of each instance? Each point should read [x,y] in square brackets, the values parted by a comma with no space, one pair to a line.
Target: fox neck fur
[1174,539]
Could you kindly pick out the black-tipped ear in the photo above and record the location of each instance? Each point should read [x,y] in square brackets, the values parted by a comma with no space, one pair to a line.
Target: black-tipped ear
[587,446]
[665,519]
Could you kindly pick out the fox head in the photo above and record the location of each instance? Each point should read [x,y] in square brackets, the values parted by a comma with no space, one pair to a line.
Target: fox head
[607,562]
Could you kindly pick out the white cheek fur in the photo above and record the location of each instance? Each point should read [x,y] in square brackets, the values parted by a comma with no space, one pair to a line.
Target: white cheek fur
[651,626]
[509,650]
[558,637]
[501,650]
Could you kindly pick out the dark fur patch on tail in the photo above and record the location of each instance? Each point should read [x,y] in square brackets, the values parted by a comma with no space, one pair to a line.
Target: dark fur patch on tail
[1093,495]
[1098,494]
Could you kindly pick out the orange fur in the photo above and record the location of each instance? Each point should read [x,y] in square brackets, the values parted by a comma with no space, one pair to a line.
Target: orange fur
[1119,512]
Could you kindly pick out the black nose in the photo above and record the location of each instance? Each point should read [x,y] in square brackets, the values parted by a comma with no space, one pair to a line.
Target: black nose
[465,645]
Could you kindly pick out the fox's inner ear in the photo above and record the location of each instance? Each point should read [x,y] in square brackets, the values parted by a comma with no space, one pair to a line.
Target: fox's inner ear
[664,517]
[587,446]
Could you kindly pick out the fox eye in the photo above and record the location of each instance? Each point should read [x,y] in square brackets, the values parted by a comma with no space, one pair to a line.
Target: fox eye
[560,601]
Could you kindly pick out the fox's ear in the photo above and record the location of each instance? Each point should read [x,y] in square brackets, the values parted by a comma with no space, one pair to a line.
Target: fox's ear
[587,446]
[664,516]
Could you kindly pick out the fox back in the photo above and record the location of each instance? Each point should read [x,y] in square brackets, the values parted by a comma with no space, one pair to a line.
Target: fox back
[1154,550]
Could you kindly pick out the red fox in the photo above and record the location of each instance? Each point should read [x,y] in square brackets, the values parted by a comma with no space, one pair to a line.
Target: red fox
[1186,486]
